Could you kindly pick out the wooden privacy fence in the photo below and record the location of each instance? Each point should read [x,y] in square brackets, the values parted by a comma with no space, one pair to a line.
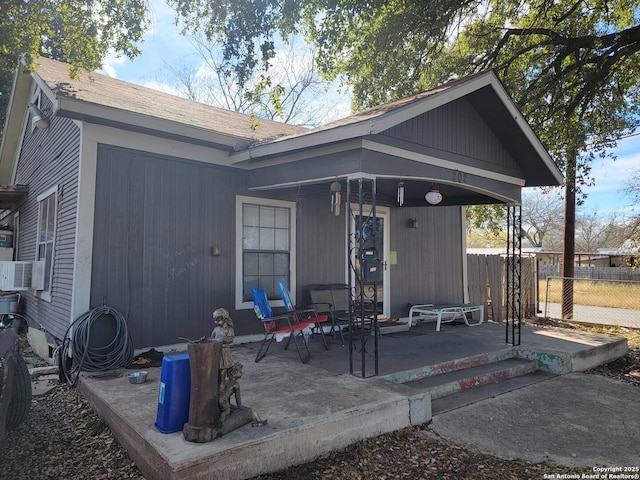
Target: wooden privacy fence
[487,285]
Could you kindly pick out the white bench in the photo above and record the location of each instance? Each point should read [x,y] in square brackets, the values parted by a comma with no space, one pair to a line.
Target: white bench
[446,313]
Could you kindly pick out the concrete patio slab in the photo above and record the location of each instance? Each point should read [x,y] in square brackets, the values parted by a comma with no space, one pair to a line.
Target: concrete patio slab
[311,408]
[575,419]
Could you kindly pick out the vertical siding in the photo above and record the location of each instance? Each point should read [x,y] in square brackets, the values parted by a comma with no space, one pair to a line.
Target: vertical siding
[429,268]
[457,128]
[321,256]
[51,157]
[155,223]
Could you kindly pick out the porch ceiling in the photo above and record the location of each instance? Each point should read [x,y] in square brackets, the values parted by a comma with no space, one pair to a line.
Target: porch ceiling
[458,184]
[12,196]
[414,196]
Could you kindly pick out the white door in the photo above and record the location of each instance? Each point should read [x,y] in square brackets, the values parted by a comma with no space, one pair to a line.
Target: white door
[380,243]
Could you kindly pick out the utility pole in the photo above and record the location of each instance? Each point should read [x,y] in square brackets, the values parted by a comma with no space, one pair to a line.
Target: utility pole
[569,241]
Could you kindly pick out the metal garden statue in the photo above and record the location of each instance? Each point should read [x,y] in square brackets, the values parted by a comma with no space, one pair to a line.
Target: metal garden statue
[214,380]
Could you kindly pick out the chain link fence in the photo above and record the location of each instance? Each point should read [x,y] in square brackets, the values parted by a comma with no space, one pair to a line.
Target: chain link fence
[595,301]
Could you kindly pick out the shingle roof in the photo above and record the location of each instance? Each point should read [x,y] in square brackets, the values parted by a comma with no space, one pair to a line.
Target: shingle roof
[106,91]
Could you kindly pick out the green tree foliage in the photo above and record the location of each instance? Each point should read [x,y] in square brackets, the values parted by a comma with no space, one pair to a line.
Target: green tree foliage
[572,66]
[78,32]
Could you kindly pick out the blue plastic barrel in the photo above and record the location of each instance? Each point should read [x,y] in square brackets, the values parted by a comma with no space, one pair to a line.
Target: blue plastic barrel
[174,394]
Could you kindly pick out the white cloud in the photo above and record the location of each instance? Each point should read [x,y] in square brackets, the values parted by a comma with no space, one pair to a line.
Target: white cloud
[110,64]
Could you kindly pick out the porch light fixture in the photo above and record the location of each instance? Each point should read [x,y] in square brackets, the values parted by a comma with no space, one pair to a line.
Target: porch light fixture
[336,197]
[433,197]
[37,117]
[413,223]
[400,193]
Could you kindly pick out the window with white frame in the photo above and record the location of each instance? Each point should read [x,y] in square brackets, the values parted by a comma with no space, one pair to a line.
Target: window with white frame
[267,254]
[47,210]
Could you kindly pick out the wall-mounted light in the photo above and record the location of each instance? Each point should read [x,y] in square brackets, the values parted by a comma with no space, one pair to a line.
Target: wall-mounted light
[37,117]
[336,197]
[413,223]
[433,197]
[400,193]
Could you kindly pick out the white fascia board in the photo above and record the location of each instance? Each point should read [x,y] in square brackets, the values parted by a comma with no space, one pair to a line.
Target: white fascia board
[439,162]
[329,149]
[305,141]
[431,102]
[312,181]
[118,116]
[14,126]
[527,130]
[298,183]
[148,143]
[365,127]
[455,92]
[439,181]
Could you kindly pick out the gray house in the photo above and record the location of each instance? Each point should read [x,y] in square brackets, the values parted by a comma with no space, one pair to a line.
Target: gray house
[166,209]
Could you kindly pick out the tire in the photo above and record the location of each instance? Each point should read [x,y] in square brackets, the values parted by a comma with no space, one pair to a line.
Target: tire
[20,403]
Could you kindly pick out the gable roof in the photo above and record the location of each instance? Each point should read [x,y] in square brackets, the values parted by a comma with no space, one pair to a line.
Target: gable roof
[484,90]
[106,100]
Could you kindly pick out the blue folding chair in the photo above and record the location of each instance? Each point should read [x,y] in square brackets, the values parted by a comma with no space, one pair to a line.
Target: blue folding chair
[307,316]
[275,326]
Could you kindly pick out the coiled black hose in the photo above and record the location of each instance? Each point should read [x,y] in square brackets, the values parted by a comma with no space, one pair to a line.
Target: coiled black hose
[118,352]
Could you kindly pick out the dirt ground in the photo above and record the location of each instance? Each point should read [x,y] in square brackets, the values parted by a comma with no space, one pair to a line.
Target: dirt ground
[64,438]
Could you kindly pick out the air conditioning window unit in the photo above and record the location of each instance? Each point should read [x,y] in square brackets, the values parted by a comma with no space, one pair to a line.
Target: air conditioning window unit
[15,275]
[37,275]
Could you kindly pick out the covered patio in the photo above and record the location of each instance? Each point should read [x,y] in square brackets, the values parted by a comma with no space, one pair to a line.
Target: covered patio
[400,175]
[318,407]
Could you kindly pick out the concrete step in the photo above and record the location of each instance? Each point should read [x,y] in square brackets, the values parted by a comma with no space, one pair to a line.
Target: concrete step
[406,376]
[455,381]
[473,395]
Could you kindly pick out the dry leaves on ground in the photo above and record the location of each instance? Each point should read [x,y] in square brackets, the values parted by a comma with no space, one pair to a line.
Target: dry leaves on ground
[64,438]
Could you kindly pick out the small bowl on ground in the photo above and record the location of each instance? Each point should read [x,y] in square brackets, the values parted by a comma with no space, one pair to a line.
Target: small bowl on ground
[137,377]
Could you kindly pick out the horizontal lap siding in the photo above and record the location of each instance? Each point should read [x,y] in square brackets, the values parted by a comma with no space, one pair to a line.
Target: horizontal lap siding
[51,157]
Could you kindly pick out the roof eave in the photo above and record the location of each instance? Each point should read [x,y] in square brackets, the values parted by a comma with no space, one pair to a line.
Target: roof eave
[14,124]
[394,117]
[104,115]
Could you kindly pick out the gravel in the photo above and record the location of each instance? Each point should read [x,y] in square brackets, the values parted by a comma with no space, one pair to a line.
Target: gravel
[64,439]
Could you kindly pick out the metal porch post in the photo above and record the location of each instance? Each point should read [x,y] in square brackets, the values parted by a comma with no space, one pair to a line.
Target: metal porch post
[514,275]
[357,299]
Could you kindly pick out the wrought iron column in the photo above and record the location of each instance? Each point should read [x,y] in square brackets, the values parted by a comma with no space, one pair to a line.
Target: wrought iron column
[365,228]
[514,275]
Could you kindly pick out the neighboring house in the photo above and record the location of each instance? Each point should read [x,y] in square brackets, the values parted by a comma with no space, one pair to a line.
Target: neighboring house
[166,209]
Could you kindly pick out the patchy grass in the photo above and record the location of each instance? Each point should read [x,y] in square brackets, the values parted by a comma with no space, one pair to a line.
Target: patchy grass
[594,293]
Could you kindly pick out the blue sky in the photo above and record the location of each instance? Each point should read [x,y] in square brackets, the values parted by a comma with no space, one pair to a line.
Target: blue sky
[163,45]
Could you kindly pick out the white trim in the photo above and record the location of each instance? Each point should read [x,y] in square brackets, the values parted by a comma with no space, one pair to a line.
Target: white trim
[439,162]
[85,211]
[23,132]
[240,200]
[528,131]
[385,214]
[160,125]
[437,99]
[43,294]
[152,144]
[381,123]
[465,273]
[241,159]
